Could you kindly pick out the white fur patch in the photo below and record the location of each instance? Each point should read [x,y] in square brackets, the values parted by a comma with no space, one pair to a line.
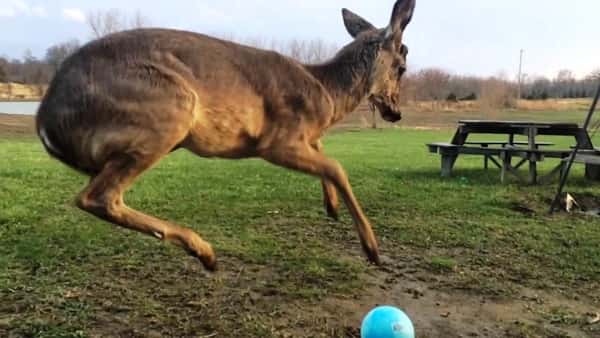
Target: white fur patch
[47,142]
[388,32]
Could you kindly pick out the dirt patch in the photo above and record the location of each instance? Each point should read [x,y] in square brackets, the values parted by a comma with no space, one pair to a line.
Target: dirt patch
[168,300]
[522,208]
[586,203]
[14,125]
[446,312]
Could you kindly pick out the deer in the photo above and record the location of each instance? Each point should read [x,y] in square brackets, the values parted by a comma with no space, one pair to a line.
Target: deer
[123,102]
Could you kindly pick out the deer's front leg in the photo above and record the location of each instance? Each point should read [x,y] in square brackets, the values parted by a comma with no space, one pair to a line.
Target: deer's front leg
[306,159]
[330,198]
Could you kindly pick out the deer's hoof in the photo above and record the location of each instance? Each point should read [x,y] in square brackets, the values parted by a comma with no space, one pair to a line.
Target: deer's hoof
[332,212]
[374,259]
[208,261]
[333,215]
[373,256]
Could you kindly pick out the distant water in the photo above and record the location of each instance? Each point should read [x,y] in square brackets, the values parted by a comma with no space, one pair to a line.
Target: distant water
[20,108]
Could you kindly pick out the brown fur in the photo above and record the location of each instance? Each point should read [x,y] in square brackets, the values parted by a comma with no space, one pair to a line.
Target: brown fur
[121,103]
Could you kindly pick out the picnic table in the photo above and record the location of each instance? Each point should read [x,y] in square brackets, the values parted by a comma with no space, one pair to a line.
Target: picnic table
[502,152]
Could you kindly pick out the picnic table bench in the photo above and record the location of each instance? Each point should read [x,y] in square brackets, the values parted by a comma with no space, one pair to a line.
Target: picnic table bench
[486,144]
[530,152]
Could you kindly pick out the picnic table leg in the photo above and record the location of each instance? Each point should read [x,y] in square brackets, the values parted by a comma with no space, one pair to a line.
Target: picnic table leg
[506,162]
[460,137]
[533,172]
[592,171]
[447,164]
[506,159]
[486,158]
[532,161]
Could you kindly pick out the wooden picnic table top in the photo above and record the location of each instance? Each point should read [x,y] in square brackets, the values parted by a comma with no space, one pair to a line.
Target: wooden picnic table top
[502,143]
[531,129]
[520,124]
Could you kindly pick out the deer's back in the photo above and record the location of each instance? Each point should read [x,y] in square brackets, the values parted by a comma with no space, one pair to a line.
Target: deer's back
[140,63]
[137,76]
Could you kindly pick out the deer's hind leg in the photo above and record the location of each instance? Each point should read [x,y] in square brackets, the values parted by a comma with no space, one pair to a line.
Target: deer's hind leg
[330,198]
[103,197]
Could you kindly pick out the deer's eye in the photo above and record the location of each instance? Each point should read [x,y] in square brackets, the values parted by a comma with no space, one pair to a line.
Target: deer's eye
[401,71]
[404,50]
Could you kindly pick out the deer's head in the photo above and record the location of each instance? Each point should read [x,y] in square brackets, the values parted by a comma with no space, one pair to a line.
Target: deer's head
[387,56]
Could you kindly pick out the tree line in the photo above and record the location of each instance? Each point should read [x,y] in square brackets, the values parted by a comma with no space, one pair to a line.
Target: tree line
[434,84]
[39,71]
[564,85]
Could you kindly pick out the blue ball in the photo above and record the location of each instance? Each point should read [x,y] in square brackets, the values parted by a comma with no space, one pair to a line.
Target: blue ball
[387,322]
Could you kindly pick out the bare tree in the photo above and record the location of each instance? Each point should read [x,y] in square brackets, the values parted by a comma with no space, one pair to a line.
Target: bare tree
[540,88]
[28,56]
[3,70]
[139,20]
[102,23]
[409,85]
[498,93]
[432,83]
[318,51]
[565,75]
[57,54]
[32,70]
[464,86]
[306,51]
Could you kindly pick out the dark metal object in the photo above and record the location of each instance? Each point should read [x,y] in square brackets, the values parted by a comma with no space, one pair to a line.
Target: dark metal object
[565,175]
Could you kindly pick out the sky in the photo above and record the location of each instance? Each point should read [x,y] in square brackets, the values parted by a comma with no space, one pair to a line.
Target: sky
[474,37]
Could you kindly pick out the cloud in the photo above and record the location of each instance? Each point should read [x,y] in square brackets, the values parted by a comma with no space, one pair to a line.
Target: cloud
[20,5]
[39,11]
[7,12]
[73,14]
[14,8]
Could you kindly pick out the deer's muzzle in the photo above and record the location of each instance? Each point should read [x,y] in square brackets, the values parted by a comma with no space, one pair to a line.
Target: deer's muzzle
[387,112]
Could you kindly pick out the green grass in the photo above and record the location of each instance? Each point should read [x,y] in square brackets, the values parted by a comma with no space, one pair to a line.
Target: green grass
[442,264]
[448,118]
[270,221]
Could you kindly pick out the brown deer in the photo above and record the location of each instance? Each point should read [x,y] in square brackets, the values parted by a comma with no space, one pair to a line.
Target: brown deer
[125,101]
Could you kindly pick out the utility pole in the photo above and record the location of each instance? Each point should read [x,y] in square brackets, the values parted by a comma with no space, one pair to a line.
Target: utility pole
[519,96]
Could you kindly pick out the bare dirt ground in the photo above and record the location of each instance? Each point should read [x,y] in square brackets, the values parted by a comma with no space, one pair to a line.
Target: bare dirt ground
[179,299]
[199,304]
[12,125]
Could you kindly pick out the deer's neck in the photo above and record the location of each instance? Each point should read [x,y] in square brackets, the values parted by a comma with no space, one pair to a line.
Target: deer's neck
[346,78]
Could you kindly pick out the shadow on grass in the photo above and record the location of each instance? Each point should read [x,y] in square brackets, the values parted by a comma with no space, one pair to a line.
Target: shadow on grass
[482,177]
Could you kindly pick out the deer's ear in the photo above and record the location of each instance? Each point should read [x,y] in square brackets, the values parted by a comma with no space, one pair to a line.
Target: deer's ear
[401,16]
[354,23]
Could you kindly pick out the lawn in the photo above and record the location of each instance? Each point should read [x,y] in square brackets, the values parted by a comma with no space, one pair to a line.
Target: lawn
[285,269]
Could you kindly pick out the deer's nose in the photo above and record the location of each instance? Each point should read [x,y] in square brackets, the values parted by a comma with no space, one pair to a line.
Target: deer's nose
[392,116]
